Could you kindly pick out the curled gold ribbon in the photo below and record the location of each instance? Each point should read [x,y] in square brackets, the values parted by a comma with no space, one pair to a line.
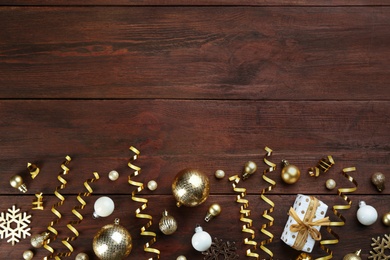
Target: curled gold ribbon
[38,204]
[80,217]
[138,214]
[65,171]
[245,213]
[341,193]
[323,165]
[266,213]
[33,169]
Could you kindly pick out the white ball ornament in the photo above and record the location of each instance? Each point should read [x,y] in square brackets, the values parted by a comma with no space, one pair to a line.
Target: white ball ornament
[113,175]
[366,214]
[201,240]
[152,185]
[103,206]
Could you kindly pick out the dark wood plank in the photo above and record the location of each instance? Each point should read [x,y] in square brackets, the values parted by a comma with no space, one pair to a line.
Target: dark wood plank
[267,53]
[226,226]
[199,2]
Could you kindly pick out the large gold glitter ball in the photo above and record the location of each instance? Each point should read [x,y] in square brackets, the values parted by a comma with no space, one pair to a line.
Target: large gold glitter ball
[112,242]
[190,188]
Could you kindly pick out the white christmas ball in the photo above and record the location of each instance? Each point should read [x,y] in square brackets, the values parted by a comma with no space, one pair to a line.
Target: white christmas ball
[103,206]
[366,214]
[113,175]
[152,185]
[219,174]
[201,240]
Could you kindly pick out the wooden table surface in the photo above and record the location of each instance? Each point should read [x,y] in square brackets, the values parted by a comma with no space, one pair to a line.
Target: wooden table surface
[206,84]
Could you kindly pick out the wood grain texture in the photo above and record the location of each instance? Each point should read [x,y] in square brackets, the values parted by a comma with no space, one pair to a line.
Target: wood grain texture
[204,84]
[271,53]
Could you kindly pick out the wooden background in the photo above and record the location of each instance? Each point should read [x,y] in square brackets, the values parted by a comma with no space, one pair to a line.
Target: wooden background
[205,84]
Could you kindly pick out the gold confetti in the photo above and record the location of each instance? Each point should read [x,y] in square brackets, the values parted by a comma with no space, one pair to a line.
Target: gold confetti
[65,171]
[71,224]
[266,213]
[138,214]
[244,217]
[341,193]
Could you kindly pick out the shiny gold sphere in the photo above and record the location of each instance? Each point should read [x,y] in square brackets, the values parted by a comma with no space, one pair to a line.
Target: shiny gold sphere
[190,188]
[353,256]
[386,219]
[112,242]
[213,211]
[304,256]
[290,173]
[16,181]
[82,256]
[28,255]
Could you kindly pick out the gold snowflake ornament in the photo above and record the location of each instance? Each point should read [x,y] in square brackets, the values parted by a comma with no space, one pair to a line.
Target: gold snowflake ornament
[14,225]
[379,246]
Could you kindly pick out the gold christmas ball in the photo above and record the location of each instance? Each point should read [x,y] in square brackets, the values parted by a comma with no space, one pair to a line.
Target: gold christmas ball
[378,179]
[82,256]
[112,242]
[190,188]
[353,256]
[167,224]
[290,173]
[38,239]
[386,219]
[304,256]
[16,181]
[28,255]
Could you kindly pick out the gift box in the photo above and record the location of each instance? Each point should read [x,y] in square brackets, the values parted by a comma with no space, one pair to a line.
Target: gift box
[306,217]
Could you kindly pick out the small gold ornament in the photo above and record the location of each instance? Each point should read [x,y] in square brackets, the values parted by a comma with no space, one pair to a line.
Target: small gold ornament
[249,169]
[113,175]
[167,224]
[152,185]
[304,256]
[213,211]
[219,174]
[38,239]
[353,256]
[82,256]
[112,242]
[330,184]
[290,173]
[16,182]
[33,169]
[28,255]
[378,179]
[190,188]
[386,219]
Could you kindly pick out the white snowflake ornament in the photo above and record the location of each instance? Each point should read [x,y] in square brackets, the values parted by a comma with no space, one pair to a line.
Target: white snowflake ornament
[14,225]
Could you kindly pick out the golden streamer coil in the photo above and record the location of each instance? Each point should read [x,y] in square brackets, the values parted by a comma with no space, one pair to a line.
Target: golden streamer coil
[38,203]
[266,213]
[341,193]
[244,217]
[33,169]
[138,214]
[65,171]
[80,217]
[323,166]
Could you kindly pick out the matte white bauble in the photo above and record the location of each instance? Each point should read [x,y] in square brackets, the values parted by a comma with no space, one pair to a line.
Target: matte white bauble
[201,240]
[103,206]
[366,214]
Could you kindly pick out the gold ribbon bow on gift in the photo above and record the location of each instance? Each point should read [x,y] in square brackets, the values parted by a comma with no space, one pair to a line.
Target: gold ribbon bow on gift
[306,227]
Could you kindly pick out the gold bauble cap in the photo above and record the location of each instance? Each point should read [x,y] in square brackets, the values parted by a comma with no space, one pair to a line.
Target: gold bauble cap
[190,187]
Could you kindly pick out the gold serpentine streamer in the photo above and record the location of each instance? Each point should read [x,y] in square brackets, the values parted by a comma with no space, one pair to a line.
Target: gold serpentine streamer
[272,167]
[341,193]
[138,214]
[80,217]
[65,171]
[245,213]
